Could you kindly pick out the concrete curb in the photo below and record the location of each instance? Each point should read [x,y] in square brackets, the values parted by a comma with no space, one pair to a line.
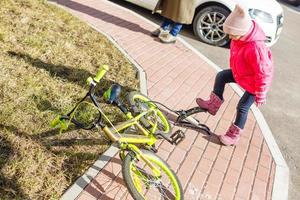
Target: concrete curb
[281,179]
[90,174]
[78,186]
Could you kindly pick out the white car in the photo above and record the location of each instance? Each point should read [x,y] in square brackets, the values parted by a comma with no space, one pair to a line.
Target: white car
[210,16]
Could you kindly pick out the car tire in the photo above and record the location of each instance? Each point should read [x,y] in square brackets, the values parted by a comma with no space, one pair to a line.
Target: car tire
[208,25]
[294,2]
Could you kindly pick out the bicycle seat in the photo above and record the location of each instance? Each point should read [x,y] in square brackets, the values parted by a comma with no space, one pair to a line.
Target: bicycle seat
[112,94]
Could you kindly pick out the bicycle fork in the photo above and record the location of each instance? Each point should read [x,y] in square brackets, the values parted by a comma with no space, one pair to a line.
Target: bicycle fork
[140,155]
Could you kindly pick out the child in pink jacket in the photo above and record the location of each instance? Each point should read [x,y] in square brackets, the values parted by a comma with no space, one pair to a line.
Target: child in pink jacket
[251,67]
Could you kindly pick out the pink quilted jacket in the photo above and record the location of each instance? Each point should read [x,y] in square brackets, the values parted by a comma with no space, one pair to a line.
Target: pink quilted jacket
[251,63]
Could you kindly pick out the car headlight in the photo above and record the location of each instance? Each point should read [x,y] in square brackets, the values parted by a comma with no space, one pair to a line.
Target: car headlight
[259,14]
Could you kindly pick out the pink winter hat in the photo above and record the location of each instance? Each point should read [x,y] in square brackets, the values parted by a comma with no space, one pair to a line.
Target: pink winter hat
[238,22]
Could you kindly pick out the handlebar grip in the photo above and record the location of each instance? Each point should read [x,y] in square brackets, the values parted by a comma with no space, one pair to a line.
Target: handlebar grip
[60,121]
[55,122]
[101,73]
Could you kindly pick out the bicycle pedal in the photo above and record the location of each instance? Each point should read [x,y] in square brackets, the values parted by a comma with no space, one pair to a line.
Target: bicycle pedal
[177,137]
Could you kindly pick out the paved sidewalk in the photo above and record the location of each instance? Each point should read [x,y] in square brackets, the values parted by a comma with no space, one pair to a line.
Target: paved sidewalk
[176,75]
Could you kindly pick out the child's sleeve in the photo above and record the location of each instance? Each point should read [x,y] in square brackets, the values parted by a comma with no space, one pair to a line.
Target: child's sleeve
[262,63]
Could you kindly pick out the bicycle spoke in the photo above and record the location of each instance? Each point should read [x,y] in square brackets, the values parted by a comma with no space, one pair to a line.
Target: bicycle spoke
[152,118]
[145,174]
[166,193]
[161,126]
[152,187]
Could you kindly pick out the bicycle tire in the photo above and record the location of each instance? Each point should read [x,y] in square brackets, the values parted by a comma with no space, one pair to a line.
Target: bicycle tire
[135,96]
[131,181]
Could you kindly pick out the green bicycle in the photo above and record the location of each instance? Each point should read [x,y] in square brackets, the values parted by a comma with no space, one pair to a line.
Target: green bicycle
[146,175]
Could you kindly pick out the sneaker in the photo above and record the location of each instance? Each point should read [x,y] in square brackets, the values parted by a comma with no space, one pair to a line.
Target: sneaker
[167,39]
[159,32]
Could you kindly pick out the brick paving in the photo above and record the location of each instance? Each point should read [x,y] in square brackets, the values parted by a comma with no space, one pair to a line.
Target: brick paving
[175,77]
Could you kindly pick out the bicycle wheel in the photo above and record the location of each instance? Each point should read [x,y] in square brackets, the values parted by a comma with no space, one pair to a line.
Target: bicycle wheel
[141,182]
[141,103]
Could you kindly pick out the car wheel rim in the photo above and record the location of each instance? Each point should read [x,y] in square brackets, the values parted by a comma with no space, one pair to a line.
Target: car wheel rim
[211,26]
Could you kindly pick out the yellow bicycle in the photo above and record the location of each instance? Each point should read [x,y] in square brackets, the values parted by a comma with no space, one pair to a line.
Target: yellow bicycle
[146,175]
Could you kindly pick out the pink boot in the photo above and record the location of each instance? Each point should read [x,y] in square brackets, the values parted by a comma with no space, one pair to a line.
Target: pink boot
[212,105]
[232,136]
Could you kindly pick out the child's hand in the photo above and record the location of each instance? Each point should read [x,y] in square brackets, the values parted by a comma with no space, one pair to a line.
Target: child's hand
[259,102]
[260,98]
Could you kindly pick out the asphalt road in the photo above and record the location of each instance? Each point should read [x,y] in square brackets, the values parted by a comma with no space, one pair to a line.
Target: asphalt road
[282,111]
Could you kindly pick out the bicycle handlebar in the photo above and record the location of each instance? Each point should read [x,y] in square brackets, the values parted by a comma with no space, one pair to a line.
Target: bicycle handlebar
[101,72]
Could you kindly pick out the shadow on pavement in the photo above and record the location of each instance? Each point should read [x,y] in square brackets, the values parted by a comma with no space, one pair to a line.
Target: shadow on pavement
[109,18]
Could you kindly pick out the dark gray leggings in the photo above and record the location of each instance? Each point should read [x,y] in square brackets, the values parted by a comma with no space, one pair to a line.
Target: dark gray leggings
[245,102]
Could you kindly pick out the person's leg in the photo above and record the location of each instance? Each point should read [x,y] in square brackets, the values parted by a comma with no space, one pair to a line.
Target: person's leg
[223,77]
[176,29]
[171,36]
[243,108]
[166,24]
[234,132]
[215,100]
[163,29]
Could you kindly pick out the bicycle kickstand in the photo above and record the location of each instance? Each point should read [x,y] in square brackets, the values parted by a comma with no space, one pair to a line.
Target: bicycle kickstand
[185,119]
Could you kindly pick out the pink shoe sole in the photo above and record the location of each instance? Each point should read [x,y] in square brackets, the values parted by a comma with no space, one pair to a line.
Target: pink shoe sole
[225,142]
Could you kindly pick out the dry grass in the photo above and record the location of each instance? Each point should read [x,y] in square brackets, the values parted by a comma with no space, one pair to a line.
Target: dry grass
[45,57]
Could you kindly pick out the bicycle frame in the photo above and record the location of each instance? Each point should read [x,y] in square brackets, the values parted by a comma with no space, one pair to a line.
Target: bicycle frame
[113,133]
[126,141]
[147,137]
